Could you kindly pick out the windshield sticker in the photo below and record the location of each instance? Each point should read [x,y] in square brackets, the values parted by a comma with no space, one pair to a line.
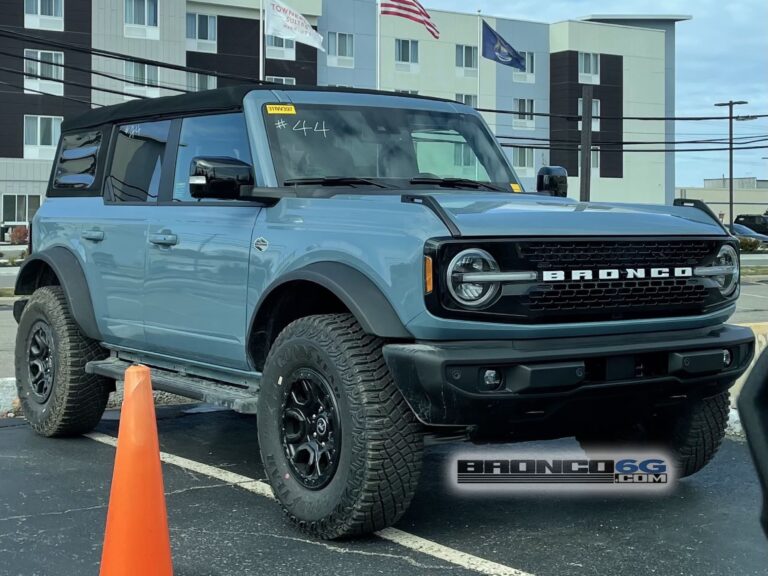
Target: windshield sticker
[516,188]
[281,109]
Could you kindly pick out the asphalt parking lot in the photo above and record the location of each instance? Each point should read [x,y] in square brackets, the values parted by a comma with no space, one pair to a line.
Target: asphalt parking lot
[53,498]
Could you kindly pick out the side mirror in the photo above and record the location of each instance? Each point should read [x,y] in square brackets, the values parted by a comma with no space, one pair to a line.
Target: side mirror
[218,177]
[552,180]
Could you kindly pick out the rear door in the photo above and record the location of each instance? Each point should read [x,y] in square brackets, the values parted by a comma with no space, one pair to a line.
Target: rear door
[198,254]
[115,238]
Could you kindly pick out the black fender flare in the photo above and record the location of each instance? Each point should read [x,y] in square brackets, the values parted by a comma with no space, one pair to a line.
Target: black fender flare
[71,276]
[356,291]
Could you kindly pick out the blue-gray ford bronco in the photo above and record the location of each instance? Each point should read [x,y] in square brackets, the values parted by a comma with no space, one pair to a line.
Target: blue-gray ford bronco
[364,272]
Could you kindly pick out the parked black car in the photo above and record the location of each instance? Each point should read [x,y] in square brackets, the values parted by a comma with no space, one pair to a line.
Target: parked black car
[756,222]
[739,230]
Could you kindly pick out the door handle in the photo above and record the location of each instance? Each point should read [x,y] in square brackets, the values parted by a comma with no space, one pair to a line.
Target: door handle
[164,239]
[94,235]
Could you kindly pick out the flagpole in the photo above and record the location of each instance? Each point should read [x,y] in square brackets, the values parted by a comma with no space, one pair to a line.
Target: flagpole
[378,46]
[262,59]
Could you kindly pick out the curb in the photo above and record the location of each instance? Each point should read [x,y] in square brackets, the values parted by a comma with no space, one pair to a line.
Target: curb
[7,396]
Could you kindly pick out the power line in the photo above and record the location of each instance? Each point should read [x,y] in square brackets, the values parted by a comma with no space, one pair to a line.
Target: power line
[90,71]
[70,98]
[71,83]
[8,32]
[577,117]
[597,146]
[745,140]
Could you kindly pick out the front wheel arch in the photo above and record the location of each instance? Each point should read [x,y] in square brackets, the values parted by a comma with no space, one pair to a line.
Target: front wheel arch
[58,266]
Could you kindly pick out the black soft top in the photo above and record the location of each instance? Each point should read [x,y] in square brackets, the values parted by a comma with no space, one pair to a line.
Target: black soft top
[221,99]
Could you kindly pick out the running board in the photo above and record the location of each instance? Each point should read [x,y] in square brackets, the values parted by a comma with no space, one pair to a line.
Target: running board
[203,389]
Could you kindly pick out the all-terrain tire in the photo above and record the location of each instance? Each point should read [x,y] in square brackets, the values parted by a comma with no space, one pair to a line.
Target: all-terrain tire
[691,432]
[698,432]
[379,459]
[73,401]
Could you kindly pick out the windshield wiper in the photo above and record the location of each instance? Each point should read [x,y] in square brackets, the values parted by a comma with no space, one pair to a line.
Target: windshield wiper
[455,183]
[333,181]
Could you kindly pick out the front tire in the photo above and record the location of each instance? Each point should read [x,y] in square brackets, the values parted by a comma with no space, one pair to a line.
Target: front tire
[341,448]
[57,396]
[692,432]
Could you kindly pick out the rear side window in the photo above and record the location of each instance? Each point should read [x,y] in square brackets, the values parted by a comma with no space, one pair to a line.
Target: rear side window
[78,159]
[137,162]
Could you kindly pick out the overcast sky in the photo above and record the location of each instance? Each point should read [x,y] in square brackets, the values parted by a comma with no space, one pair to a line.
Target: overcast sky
[722,54]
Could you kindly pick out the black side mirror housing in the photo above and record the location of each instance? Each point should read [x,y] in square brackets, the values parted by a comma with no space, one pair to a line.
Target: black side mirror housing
[219,178]
[552,180]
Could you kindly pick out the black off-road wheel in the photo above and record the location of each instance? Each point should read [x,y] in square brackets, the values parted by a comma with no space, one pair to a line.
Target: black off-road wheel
[57,396]
[692,432]
[341,448]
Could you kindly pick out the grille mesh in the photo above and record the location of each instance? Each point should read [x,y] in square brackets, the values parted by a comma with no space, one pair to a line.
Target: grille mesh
[653,297]
[615,254]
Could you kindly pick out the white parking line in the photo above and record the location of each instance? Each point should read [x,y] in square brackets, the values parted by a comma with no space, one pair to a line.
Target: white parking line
[404,539]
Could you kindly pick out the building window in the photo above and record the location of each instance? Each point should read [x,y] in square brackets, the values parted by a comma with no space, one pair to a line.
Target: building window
[595,114]
[407,51]
[466,56]
[197,82]
[463,156]
[468,99]
[201,32]
[341,50]
[45,72]
[409,92]
[280,48]
[141,80]
[288,81]
[141,19]
[589,68]
[41,136]
[522,161]
[44,14]
[524,118]
[19,209]
[529,75]
[594,160]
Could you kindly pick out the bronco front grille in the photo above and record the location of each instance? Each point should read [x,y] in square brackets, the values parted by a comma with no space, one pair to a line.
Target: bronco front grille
[546,255]
[589,300]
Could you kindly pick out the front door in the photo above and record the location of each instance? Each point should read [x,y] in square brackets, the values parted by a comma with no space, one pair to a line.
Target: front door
[198,251]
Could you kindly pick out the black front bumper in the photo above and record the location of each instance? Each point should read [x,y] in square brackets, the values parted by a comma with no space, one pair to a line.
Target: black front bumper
[443,381]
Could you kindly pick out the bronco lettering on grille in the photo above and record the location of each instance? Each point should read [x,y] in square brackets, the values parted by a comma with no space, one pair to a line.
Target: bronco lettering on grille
[616,274]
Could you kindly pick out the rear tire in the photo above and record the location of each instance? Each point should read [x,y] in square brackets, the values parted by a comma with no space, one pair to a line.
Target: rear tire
[691,432]
[326,368]
[57,396]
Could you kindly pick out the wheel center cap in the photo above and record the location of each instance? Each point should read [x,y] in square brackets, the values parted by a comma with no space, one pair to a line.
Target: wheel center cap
[322,426]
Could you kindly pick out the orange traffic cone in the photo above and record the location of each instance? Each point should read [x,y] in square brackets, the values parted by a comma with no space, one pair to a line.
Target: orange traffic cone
[137,540]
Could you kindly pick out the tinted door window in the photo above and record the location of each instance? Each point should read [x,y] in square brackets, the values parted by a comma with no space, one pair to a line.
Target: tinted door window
[223,135]
[137,162]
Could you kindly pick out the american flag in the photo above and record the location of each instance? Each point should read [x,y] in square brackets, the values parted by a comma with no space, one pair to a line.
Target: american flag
[411,10]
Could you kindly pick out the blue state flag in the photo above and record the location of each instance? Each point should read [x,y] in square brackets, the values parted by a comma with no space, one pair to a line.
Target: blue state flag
[497,49]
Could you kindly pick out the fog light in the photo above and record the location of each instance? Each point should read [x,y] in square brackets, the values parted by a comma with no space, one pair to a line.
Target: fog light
[727,358]
[492,379]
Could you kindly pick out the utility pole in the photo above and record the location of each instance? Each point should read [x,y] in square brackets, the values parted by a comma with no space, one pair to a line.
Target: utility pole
[730,104]
[585,168]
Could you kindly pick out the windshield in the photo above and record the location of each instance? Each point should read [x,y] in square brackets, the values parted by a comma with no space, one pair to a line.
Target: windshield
[322,141]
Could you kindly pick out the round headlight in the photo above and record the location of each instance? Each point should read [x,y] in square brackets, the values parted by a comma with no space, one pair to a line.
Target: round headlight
[465,282]
[729,259]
